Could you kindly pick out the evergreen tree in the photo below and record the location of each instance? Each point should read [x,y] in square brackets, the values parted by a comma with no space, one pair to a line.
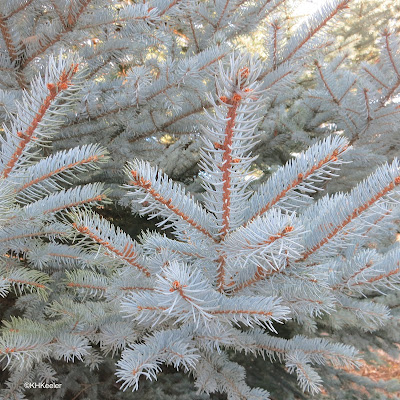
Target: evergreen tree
[149,67]
[34,247]
[367,20]
[239,264]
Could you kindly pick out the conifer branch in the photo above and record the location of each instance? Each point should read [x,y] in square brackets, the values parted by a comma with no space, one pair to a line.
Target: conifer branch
[221,16]
[275,27]
[72,20]
[367,105]
[22,7]
[135,288]
[259,275]
[239,257]
[347,91]
[389,51]
[33,235]
[227,162]
[193,34]
[8,39]
[59,13]
[58,171]
[146,185]
[67,199]
[308,31]
[104,234]
[159,89]
[355,214]
[172,4]
[179,116]
[310,168]
[221,273]
[395,86]
[61,166]
[335,100]
[23,279]
[11,48]
[367,69]
[63,83]
[341,5]
[380,277]
[148,182]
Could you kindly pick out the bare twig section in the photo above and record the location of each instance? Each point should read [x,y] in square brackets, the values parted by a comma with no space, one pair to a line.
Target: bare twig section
[227,163]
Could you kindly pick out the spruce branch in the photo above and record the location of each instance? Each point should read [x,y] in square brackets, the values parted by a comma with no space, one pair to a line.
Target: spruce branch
[167,200]
[48,42]
[242,260]
[18,140]
[116,242]
[385,181]
[299,177]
